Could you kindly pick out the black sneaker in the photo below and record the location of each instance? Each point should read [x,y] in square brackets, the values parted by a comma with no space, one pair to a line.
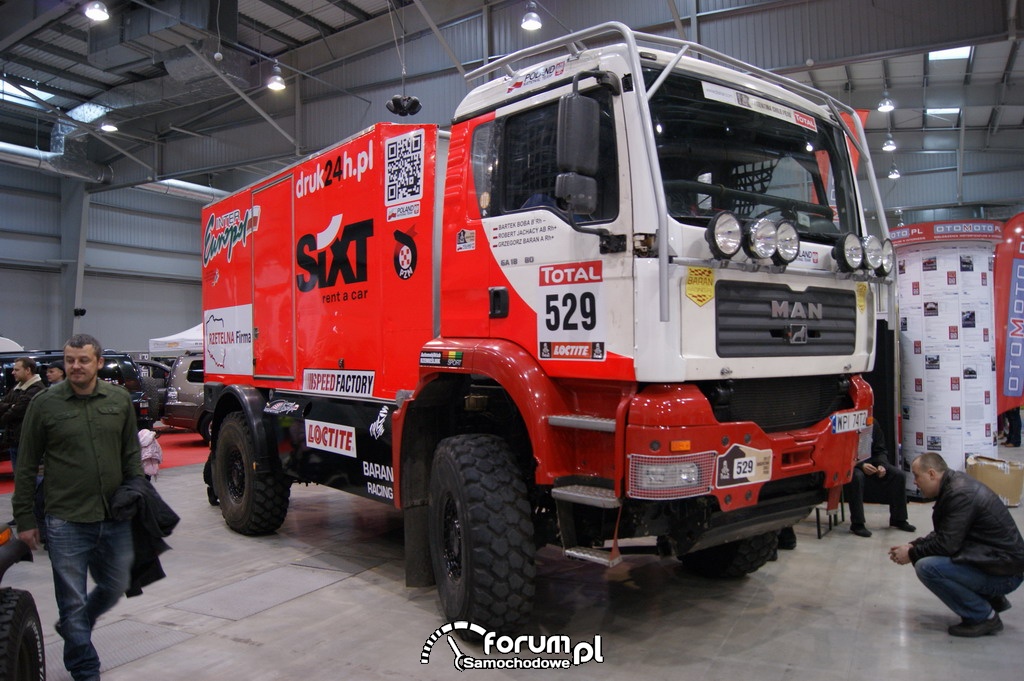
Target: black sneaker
[860,530]
[903,525]
[999,603]
[787,539]
[976,628]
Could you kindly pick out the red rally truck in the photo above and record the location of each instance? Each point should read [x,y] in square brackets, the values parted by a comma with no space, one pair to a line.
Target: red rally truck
[630,293]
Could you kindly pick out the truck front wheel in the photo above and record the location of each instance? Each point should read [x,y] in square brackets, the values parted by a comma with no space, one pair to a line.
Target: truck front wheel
[735,559]
[481,535]
[21,637]
[251,502]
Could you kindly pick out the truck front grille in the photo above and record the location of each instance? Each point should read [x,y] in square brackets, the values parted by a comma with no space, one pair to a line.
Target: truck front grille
[777,404]
[772,320]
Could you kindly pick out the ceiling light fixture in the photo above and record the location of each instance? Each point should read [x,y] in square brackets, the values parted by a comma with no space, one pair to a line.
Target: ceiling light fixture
[531,20]
[886,105]
[889,144]
[275,82]
[107,126]
[894,172]
[96,11]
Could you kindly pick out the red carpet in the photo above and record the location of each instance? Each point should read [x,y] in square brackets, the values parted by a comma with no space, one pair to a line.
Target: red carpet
[180,448]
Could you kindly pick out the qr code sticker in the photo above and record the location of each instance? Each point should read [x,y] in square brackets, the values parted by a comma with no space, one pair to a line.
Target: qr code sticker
[403,168]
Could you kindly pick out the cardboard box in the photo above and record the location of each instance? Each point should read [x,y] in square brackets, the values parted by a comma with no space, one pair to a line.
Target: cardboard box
[1005,478]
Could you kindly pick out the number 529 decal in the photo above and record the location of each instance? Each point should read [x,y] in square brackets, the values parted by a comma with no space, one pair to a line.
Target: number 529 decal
[570,322]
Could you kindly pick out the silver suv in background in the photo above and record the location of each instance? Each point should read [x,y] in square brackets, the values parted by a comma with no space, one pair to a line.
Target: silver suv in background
[183,405]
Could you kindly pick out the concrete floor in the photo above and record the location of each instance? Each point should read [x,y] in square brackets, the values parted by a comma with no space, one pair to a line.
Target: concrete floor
[324,599]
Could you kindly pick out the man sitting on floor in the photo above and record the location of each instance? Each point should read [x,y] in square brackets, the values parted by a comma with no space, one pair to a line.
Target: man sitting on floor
[882,481]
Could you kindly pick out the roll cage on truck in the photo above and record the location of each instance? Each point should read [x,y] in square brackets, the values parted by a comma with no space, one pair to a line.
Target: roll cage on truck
[630,294]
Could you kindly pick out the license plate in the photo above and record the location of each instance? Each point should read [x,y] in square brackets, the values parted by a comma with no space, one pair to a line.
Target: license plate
[851,420]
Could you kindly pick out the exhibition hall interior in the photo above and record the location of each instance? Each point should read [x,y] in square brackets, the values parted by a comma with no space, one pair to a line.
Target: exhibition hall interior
[386,339]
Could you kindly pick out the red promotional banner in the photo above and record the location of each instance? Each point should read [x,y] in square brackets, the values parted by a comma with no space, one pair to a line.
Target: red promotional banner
[1009,314]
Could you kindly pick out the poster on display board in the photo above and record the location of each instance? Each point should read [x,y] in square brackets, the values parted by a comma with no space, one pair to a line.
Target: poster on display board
[947,339]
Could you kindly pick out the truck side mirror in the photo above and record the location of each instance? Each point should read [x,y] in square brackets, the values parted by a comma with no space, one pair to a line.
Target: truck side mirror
[579,120]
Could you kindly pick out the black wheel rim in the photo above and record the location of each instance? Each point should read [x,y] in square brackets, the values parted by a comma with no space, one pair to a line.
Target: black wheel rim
[236,476]
[451,539]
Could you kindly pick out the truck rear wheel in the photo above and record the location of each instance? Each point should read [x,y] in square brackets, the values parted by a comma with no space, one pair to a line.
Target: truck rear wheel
[481,534]
[734,559]
[21,638]
[251,502]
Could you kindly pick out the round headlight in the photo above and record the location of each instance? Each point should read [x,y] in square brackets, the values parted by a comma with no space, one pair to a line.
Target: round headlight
[872,252]
[788,243]
[762,238]
[848,253]
[888,259]
[724,235]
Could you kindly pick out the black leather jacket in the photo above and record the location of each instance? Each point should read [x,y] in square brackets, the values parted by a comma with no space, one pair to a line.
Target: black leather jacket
[972,526]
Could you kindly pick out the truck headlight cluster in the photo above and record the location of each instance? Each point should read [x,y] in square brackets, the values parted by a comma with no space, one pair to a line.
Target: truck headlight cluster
[669,477]
[761,239]
[870,253]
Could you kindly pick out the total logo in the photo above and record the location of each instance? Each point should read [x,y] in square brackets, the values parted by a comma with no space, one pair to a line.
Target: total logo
[521,651]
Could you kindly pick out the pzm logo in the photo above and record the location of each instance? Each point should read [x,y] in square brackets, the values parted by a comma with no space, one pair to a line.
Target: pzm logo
[783,309]
[336,250]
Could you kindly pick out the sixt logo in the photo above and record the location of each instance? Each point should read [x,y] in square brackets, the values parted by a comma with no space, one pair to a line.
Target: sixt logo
[783,309]
[326,255]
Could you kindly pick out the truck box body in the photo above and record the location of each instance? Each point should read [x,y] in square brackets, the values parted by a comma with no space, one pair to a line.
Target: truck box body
[317,282]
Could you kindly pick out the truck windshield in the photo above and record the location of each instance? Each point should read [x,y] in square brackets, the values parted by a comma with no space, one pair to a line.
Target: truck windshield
[722,148]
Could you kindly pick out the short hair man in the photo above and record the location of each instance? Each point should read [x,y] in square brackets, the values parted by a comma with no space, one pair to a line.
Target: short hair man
[15,403]
[55,372]
[85,428]
[975,554]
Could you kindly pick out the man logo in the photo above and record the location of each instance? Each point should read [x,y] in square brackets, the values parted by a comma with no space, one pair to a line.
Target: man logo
[783,309]
[796,334]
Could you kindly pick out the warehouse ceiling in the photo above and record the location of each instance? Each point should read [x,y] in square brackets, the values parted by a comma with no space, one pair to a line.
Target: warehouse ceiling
[169,70]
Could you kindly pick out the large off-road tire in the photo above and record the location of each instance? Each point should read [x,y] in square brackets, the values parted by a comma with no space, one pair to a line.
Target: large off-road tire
[481,535]
[251,502]
[21,638]
[734,559]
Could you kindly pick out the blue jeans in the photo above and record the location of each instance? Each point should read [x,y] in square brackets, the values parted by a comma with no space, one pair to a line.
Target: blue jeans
[964,588]
[104,550]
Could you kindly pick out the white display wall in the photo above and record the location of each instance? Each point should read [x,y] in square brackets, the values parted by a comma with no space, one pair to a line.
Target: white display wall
[947,349]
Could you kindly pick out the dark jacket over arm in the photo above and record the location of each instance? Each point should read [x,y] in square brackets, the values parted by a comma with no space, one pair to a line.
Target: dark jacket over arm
[152,520]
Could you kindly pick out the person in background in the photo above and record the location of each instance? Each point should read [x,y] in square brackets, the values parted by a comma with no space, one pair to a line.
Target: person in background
[55,372]
[975,554]
[15,403]
[884,481]
[86,431]
[1012,427]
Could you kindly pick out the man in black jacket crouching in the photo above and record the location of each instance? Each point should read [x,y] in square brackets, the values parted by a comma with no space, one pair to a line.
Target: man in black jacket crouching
[975,554]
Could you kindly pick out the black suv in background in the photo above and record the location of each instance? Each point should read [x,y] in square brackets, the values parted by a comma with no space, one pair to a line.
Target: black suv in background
[118,368]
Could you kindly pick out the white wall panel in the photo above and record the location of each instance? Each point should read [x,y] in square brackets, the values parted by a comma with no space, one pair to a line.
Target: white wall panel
[29,308]
[125,316]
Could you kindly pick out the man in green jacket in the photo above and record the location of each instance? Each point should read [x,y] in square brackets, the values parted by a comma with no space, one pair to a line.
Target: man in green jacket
[85,430]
